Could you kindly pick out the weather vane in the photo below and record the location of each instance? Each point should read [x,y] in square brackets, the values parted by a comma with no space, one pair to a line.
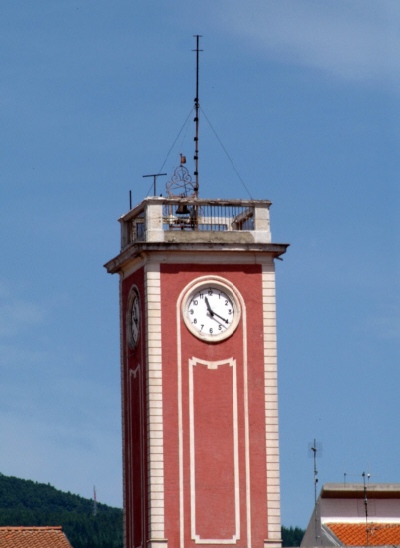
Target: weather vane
[181,184]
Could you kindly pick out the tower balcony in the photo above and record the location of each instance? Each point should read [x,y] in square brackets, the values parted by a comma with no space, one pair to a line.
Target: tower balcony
[190,220]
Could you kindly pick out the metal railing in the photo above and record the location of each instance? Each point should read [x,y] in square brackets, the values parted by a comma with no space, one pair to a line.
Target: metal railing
[180,214]
[207,217]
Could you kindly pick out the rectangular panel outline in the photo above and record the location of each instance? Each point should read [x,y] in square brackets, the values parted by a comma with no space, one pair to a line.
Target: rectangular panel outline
[214,365]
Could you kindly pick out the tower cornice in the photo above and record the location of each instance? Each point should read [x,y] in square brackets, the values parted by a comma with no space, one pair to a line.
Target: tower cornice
[203,252]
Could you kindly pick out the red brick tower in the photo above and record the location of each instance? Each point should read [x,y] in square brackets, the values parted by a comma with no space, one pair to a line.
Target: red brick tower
[199,374]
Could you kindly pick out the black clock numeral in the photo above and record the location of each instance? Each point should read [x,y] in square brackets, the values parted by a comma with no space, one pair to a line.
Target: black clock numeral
[210,292]
[226,302]
[201,295]
[195,302]
[195,320]
[191,311]
[230,311]
[211,329]
[201,327]
[220,327]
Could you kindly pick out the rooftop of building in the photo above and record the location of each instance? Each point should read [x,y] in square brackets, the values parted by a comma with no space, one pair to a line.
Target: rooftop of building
[179,223]
[33,537]
[357,490]
[355,514]
[366,534]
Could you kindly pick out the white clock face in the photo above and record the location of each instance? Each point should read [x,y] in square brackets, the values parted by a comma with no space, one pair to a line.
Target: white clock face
[135,319]
[211,311]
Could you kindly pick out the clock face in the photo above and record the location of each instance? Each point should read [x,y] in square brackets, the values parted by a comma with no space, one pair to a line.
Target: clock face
[211,311]
[134,320]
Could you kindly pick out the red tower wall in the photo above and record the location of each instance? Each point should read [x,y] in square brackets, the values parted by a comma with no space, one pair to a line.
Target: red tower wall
[214,419]
[133,379]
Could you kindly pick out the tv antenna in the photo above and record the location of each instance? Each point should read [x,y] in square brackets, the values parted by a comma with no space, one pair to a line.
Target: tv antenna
[346,475]
[155,175]
[314,451]
[196,118]
[366,505]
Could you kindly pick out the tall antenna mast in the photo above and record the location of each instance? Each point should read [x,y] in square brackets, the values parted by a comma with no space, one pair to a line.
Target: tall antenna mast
[314,452]
[196,119]
[366,507]
[314,449]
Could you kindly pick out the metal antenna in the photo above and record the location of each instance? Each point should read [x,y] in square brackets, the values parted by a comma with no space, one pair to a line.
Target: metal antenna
[155,175]
[366,507]
[196,119]
[314,449]
[354,475]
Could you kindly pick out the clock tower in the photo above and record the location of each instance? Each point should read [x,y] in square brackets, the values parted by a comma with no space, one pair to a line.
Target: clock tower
[199,373]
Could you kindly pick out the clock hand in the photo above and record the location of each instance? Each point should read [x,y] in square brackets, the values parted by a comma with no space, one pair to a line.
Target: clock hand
[212,313]
[209,307]
[223,319]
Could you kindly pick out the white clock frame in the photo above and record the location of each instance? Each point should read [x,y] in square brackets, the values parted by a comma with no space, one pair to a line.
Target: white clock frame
[134,295]
[214,282]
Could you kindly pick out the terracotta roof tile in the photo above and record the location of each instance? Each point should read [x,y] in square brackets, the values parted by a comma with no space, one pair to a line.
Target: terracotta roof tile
[33,537]
[374,534]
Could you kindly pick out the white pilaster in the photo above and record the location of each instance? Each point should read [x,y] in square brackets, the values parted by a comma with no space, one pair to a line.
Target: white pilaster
[155,438]
[271,405]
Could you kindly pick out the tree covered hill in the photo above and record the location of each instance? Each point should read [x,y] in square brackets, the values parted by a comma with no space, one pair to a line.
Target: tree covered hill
[292,536]
[25,502]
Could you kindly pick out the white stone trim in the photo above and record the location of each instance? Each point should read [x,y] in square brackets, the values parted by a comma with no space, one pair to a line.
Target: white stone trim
[154,223]
[134,265]
[271,405]
[155,438]
[157,543]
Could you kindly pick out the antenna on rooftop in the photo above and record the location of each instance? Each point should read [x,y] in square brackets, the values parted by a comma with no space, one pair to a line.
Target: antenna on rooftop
[346,475]
[196,119]
[314,450]
[366,506]
[154,175]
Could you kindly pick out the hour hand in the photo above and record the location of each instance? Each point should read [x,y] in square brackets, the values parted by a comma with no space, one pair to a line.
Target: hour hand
[209,307]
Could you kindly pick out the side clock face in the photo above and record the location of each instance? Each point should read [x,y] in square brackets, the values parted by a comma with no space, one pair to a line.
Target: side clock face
[134,319]
[211,311]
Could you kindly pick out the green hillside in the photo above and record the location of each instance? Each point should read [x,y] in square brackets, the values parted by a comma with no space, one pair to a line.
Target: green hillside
[25,502]
[292,536]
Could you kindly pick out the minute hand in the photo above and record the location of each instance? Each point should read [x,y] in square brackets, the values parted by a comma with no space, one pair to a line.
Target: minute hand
[223,319]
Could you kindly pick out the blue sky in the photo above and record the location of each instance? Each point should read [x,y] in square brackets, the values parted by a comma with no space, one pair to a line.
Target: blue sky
[304,96]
